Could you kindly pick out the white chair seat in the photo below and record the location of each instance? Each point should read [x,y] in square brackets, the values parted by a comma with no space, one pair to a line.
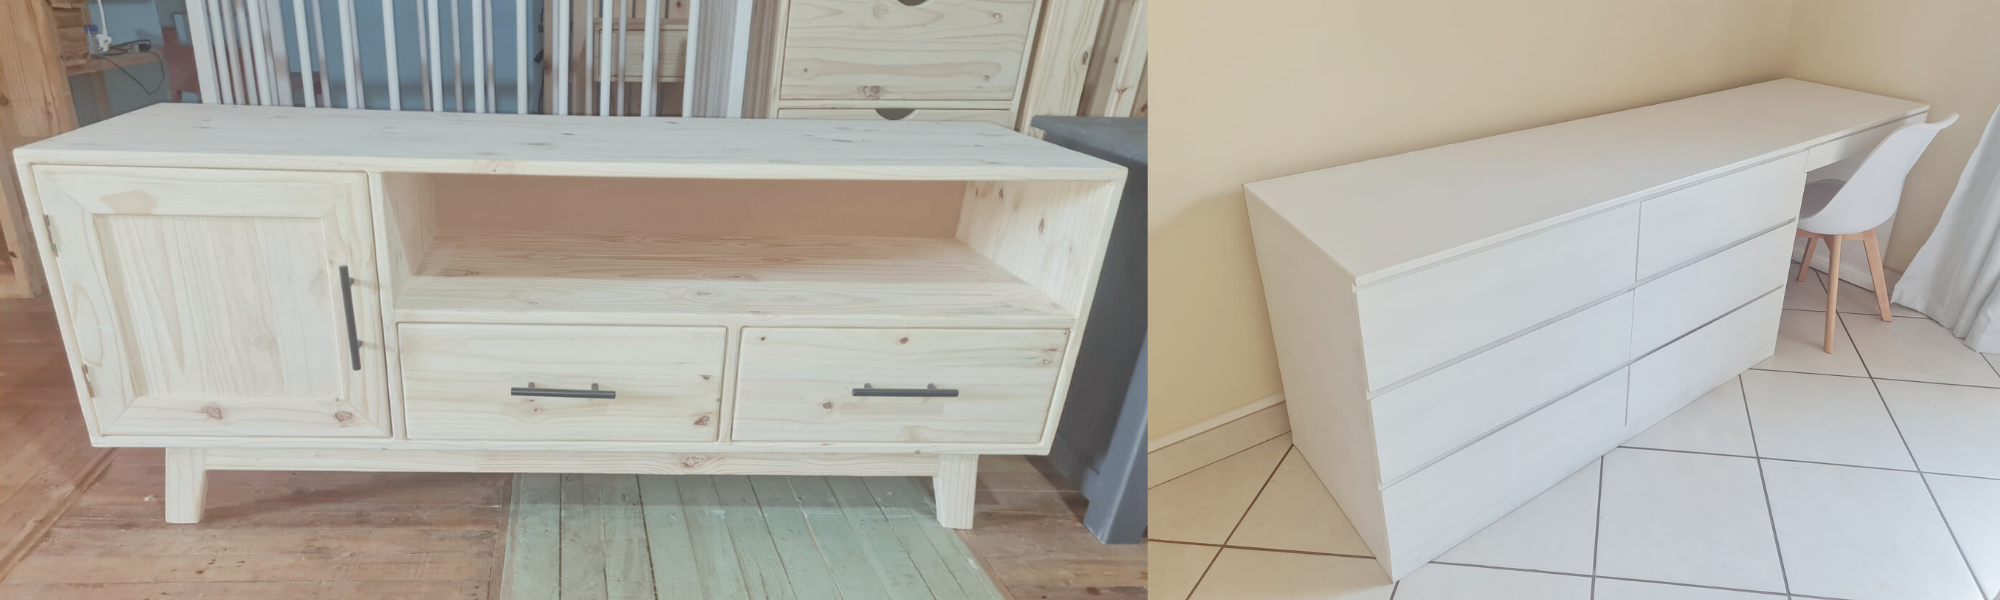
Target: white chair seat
[1818,195]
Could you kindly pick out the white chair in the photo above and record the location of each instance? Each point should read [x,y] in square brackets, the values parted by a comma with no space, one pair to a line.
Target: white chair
[1834,210]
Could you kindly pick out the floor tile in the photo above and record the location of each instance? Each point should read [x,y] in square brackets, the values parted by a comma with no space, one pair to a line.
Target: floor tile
[1917,350]
[1972,510]
[1619,589]
[1173,569]
[1258,575]
[1951,429]
[1863,534]
[1715,422]
[1804,295]
[1556,531]
[1205,505]
[1686,518]
[1822,418]
[1855,300]
[1449,582]
[1295,512]
[1800,334]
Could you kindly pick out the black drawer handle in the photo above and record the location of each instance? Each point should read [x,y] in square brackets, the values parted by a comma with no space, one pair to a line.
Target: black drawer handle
[929,391]
[593,392]
[913,2]
[353,334]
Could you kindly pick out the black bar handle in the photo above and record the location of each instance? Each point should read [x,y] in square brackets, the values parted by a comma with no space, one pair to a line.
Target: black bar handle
[929,391]
[353,334]
[593,392]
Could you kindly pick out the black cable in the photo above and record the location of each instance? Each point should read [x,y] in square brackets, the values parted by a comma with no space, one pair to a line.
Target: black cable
[128,48]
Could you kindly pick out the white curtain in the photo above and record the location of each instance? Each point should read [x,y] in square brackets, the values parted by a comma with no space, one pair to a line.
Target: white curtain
[1955,277]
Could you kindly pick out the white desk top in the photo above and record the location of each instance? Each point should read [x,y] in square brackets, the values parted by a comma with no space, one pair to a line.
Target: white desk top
[194,135]
[1387,216]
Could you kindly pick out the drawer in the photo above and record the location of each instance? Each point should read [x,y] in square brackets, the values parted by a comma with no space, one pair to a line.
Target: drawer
[1855,145]
[485,382]
[673,41]
[1679,226]
[1418,321]
[1680,301]
[1428,417]
[1696,363]
[1448,501]
[1003,118]
[892,50]
[875,385]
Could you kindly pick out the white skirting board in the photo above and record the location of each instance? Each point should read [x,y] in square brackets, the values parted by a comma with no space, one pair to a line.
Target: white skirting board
[1195,446]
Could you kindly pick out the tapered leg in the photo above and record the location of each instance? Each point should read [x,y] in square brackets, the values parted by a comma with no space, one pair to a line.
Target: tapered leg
[1875,272]
[957,475]
[1832,288]
[1805,265]
[187,485]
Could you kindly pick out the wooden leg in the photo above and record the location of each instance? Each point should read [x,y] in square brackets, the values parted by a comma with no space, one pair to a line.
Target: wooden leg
[1832,288]
[1805,265]
[958,475]
[1875,272]
[187,485]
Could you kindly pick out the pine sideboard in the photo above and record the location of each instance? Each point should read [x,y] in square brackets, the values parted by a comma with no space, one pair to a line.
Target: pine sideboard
[259,288]
[1462,327]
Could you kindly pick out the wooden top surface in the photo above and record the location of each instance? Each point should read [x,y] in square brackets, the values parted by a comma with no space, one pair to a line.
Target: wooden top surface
[1391,215]
[195,135]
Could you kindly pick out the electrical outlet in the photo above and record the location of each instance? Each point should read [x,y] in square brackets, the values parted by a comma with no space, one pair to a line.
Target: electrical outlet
[99,41]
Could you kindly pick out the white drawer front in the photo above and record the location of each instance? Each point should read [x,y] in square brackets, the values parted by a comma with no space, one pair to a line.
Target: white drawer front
[1682,300]
[1855,145]
[1463,493]
[1682,225]
[1695,364]
[1418,321]
[1426,418]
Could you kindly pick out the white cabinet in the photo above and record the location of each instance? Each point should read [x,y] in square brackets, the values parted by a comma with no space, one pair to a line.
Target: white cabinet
[1462,327]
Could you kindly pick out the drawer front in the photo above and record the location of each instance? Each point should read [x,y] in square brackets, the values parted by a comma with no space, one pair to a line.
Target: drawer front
[890,50]
[1463,493]
[874,385]
[1427,418]
[472,382]
[1855,145]
[1680,301]
[1003,118]
[1420,320]
[1693,365]
[1677,227]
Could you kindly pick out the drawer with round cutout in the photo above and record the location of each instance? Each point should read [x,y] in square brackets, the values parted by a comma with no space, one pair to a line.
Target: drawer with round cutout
[896,385]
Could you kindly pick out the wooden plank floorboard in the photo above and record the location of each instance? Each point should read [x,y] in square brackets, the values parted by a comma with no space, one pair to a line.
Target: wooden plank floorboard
[628,565]
[908,524]
[902,577]
[721,574]
[804,562]
[582,540]
[906,496]
[263,590]
[756,553]
[846,553]
[676,576]
[534,541]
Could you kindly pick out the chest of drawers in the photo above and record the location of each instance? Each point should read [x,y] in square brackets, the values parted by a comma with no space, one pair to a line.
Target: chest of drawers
[1462,327]
[291,289]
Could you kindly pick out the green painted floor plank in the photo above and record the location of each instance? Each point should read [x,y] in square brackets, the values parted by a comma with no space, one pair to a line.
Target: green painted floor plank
[805,566]
[756,552]
[908,524]
[628,568]
[675,573]
[907,494]
[582,541]
[534,529]
[903,576]
[846,552]
[715,554]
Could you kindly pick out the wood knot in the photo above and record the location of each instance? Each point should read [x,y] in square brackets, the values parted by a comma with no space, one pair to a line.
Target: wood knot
[343,416]
[213,412]
[701,421]
[827,405]
[693,460]
[903,341]
[707,377]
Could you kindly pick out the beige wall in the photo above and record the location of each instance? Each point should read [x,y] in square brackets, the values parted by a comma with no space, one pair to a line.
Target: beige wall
[1943,52]
[1244,91]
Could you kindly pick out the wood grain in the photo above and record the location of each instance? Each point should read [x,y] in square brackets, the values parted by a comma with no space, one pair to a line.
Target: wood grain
[1003,118]
[880,50]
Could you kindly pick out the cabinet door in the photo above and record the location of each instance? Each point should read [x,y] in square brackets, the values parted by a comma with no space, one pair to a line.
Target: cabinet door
[219,302]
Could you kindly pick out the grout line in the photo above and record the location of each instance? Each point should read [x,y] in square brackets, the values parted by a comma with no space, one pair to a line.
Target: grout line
[1812,462]
[1857,346]
[1289,451]
[1764,486]
[1696,585]
[1597,525]
[1927,488]
[1515,569]
[1212,463]
[1963,385]
[1204,573]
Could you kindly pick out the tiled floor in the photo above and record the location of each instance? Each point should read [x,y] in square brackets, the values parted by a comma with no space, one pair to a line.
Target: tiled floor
[1869,474]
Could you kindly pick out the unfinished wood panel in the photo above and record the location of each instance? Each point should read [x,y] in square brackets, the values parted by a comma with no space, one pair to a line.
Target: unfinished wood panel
[530,461]
[875,385]
[695,207]
[879,50]
[1003,118]
[671,62]
[632,279]
[1051,235]
[37,105]
[957,478]
[466,382]
[1118,61]
[240,330]
[1061,60]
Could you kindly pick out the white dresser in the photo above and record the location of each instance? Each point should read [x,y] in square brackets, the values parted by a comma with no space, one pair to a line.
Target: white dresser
[1460,328]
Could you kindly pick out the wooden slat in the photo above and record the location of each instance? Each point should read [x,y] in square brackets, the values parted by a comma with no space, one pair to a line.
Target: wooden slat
[604,58]
[319,46]
[204,51]
[804,563]
[350,52]
[676,576]
[756,554]
[714,552]
[903,501]
[395,79]
[255,26]
[480,56]
[582,564]
[274,38]
[436,55]
[649,84]
[559,55]
[256,590]
[846,553]
[902,522]
[900,575]
[1055,76]
[304,38]
[534,538]
[426,50]
[521,56]
[457,62]
[224,13]
[628,568]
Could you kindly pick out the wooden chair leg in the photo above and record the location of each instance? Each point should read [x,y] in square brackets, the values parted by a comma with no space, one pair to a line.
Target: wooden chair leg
[1805,265]
[1875,272]
[1832,289]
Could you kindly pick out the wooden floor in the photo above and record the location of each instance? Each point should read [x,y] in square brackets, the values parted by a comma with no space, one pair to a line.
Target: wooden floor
[386,536]
[733,537]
